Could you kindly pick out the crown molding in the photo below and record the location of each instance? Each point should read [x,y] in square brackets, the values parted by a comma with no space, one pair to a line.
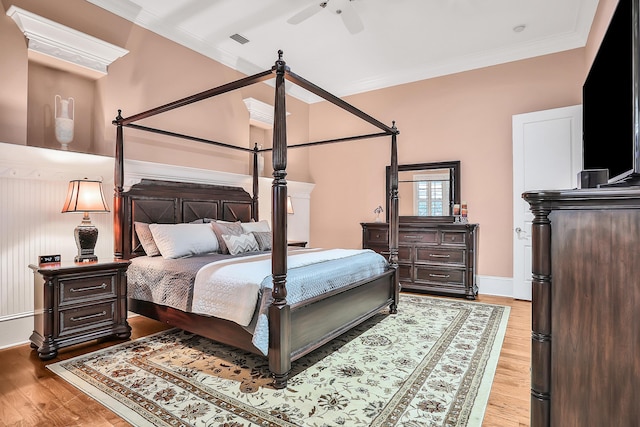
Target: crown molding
[63,47]
[260,113]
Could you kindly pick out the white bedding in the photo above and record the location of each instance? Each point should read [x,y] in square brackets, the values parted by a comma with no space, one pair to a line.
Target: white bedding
[230,289]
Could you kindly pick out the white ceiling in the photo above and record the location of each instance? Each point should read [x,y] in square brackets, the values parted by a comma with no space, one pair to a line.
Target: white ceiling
[402,40]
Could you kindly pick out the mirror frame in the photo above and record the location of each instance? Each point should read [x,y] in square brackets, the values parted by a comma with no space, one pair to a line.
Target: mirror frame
[454,196]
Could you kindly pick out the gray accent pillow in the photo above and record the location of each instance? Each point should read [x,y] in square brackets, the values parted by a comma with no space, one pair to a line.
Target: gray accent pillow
[225,228]
[146,239]
[264,239]
[240,244]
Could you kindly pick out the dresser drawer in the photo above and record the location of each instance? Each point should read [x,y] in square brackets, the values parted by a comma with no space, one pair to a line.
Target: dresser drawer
[438,255]
[377,236]
[439,275]
[87,288]
[78,320]
[428,236]
[404,272]
[450,237]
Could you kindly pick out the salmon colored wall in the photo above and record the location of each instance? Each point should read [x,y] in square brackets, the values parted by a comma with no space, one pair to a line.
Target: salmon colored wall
[464,117]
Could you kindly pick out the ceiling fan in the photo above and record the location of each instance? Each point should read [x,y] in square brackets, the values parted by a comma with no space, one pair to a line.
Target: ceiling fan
[349,16]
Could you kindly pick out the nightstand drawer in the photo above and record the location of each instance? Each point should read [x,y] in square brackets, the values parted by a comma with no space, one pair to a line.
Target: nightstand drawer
[78,320]
[85,288]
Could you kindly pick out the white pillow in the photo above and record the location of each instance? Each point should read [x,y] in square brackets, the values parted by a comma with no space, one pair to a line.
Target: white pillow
[240,244]
[263,225]
[180,240]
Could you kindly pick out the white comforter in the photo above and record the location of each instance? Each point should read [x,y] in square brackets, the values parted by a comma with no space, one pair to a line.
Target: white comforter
[230,289]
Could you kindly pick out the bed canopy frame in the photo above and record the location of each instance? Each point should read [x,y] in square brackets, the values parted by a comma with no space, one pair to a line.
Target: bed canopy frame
[280,352]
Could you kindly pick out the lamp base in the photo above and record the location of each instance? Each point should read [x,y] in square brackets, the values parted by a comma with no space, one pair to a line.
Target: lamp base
[86,238]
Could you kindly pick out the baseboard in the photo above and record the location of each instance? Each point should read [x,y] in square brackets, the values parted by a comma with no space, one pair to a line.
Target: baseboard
[15,330]
[494,285]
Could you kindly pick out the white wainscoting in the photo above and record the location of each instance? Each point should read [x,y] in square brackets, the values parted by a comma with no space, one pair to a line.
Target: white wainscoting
[33,186]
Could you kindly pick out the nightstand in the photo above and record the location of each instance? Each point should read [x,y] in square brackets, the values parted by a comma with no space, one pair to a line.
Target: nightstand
[298,243]
[78,302]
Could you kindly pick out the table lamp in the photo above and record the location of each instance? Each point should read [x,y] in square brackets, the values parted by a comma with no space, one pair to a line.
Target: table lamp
[85,196]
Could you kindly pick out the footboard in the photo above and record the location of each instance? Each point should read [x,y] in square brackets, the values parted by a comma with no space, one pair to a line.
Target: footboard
[317,321]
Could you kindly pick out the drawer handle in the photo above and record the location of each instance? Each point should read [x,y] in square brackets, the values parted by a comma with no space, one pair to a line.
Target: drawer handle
[89,288]
[88,316]
[440,256]
[408,236]
[442,276]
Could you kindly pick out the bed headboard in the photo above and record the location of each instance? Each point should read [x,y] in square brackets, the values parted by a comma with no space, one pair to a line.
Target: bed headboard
[168,202]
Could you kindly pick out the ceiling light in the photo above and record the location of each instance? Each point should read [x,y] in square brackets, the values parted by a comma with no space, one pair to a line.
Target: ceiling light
[519,28]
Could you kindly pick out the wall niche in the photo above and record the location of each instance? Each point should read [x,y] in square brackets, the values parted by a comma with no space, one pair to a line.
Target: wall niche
[44,83]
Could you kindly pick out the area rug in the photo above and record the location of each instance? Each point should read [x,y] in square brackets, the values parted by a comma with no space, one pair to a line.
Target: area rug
[431,364]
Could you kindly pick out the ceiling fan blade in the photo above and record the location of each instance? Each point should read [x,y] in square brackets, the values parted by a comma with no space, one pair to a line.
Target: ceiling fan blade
[307,13]
[351,19]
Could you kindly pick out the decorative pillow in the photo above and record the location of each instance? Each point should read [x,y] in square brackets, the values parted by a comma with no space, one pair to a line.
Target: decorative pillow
[180,240]
[202,220]
[240,244]
[228,228]
[146,238]
[264,239]
[249,227]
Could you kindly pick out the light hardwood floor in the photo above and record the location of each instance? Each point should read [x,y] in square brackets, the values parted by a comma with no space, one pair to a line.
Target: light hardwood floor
[30,395]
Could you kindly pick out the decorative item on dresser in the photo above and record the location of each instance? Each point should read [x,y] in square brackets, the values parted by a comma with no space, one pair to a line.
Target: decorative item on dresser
[433,257]
[585,342]
[78,302]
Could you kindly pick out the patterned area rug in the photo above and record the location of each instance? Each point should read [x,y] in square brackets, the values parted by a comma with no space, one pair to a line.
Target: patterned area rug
[432,364]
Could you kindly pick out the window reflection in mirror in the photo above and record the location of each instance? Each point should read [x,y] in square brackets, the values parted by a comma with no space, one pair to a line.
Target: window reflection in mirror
[424,193]
[427,191]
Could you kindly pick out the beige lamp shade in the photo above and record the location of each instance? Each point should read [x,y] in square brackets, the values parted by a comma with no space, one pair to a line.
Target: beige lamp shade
[85,196]
[289,205]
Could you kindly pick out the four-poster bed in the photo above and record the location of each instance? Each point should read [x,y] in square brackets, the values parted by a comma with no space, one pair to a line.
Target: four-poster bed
[294,329]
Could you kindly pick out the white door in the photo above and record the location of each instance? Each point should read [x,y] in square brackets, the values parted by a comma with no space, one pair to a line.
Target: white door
[547,155]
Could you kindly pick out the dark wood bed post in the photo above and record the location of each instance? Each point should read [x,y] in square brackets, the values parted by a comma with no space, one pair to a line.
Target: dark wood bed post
[255,190]
[118,183]
[279,311]
[393,219]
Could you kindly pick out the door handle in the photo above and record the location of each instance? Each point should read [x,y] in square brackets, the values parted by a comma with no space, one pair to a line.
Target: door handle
[521,233]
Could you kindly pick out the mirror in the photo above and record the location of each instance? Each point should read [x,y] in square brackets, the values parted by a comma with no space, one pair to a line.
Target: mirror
[427,191]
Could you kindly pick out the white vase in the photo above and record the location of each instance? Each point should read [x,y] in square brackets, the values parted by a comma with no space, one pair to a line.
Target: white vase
[64,121]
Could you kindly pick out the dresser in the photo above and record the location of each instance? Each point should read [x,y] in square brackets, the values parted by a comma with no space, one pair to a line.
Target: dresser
[78,302]
[585,340]
[436,257]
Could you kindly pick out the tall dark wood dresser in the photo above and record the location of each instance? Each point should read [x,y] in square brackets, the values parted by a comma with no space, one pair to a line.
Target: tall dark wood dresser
[585,350]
